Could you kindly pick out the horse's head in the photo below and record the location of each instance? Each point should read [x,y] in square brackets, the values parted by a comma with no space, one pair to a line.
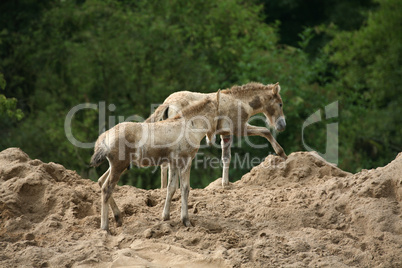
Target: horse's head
[273,109]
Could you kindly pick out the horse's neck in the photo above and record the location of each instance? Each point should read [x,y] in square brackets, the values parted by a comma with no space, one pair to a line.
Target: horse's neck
[255,101]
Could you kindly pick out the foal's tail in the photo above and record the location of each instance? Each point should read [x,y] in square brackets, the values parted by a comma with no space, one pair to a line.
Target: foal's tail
[161,113]
[100,153]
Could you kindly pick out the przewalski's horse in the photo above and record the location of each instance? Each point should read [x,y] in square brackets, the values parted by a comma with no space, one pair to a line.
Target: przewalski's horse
[174,141]
[237,105]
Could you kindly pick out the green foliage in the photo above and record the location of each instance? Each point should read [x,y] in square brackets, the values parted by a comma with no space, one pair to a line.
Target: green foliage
[295,16]
[369,73]
[8,106]
[127,55]
[131,55]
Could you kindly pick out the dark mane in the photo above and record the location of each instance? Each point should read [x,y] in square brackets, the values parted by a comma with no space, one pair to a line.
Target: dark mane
[244,89]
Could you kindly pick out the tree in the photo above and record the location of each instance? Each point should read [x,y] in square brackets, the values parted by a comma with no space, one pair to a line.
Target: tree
[8,107]
[126,55]
[294,16]
[131,54]
[369,82]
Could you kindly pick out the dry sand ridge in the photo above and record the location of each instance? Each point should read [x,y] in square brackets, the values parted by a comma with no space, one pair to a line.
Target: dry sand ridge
[302,212]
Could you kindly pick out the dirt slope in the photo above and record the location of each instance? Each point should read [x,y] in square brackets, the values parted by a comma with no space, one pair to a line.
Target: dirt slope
[301,212]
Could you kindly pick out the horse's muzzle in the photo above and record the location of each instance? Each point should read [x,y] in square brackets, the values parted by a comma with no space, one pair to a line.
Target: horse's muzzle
[280,124]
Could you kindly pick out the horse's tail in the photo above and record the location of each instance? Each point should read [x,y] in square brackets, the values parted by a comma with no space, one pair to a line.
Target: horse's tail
[100,153]
[161,113]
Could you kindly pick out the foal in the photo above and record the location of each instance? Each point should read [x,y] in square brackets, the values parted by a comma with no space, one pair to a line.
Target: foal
[174,142]
[237,105]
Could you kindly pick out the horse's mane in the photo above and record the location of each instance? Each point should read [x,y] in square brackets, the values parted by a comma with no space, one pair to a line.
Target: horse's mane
[193,109]
[244,89]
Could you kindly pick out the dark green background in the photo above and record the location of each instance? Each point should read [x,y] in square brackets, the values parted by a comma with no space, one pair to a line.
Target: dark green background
[57,54]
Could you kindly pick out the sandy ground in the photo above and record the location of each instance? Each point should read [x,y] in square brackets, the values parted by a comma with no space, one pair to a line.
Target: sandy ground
[301,212]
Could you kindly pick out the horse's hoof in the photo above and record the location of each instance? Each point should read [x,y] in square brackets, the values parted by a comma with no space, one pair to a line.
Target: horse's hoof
[104,232]
[165,217]
[119,221]
[187,222]
[105,227]
[283,155]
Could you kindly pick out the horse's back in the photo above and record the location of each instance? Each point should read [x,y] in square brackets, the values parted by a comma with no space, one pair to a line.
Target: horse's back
[181,99]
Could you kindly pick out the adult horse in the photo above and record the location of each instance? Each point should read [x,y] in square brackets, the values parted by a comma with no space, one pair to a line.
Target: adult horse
[237,105]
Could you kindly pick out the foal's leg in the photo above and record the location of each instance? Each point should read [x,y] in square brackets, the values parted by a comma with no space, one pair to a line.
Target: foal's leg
[170,192]
[106,193]
[226,143]
[185,190]
[164,169]
[112,203]
[102,178]
[264,132]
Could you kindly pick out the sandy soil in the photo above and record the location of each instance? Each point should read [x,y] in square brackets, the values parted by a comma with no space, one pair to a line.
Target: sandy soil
[301,212]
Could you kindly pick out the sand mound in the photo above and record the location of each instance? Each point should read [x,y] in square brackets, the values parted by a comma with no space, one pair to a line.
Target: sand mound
[301,212]
[299,169]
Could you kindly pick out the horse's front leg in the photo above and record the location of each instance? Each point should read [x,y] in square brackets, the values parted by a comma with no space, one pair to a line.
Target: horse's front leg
[264,132]
[164,170]
[171,188]
[185,190]
[226,143]
[112,203]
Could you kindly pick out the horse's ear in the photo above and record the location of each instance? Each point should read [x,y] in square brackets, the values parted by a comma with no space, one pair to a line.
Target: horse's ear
[276,88]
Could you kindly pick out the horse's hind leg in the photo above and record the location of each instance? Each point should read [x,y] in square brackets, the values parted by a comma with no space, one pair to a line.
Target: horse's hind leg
[171,188]
[116,212]
[185,190]
[226,143]
[112,203]
[106,193]
[102,178]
